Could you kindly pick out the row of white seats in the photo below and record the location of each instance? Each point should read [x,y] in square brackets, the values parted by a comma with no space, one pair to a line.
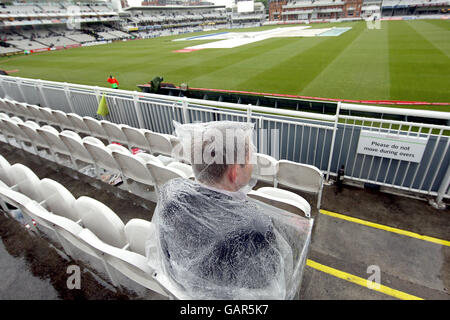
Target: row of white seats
[84,223]
[142,167]
[152,142]
[287,173]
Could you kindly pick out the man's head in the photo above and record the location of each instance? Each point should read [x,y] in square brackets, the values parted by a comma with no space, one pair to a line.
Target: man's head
[220,152]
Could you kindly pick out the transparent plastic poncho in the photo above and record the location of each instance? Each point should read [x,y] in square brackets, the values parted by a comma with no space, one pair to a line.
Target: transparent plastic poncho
[217,244]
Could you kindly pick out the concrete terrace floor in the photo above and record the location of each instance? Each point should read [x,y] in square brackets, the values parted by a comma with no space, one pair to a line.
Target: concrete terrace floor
[32,269]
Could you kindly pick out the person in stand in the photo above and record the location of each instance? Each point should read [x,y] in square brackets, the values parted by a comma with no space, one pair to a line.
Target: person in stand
[211,240]
[113,81]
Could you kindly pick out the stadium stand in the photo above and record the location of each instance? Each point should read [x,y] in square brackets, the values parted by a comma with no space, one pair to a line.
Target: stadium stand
[85,228]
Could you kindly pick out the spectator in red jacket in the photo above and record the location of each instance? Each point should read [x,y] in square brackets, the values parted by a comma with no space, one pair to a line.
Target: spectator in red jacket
[113,81]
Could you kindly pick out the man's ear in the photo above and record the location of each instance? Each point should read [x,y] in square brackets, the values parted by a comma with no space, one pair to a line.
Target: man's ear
[232,173]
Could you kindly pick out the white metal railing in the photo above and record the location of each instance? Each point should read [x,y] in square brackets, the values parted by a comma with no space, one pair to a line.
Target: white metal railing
[326,141]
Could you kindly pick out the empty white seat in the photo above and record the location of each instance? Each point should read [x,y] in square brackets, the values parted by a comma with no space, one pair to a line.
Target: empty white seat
[133,168]
[149,158]
[114,132]
[36,139]
[162,174]
[102,156]
[133,265]
[25,181]
[29,128]
[159,143]
[8,106]
[23,110]
[36,111]
[95,127]
[283,199]
[57,146]
[15,131]
[185,168]
[136,138]
[63,228]
[118,148]
[301,177]
[101,220]
[57,199]
[266,168]
[77,150]
[63,121]
[6,131]
[137,232]
[49,118]
[78,123]
[4,172]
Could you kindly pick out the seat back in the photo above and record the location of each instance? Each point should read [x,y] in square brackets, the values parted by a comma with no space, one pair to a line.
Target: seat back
[63,121]
[266,167]
[101,220]
[114,132]
[23,110]
[102,156]
[48,116]
[51,135]
[133,168]
[137,232]
[301,177]
[27,182]
[32,134]
[78,123]
[4,171]
[159,143]
[282,199]
[12,125]
[58,199]
[36,111]
[162,174]
[95,127]
[75,144]
[136,138]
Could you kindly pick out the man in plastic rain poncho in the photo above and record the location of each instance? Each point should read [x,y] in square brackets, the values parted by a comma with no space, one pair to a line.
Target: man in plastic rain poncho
[211,240]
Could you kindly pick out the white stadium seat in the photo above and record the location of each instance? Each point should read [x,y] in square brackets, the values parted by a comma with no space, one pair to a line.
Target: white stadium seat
[101,220]
[57,199]
[114,132]
[301,177]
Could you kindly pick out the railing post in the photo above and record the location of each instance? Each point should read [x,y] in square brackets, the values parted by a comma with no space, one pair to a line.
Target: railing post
[249,113]
[19,85]
[336,121]
[39,86]
[138,109]
[97,94]
[438,203]
[69,97]
[2,86]
[185,110]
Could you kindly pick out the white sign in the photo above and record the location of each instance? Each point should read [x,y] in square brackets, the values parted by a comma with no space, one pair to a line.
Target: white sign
[391,146]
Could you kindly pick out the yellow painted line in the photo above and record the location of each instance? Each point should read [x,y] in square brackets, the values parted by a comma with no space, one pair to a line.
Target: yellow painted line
[386,228]
[360,281]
